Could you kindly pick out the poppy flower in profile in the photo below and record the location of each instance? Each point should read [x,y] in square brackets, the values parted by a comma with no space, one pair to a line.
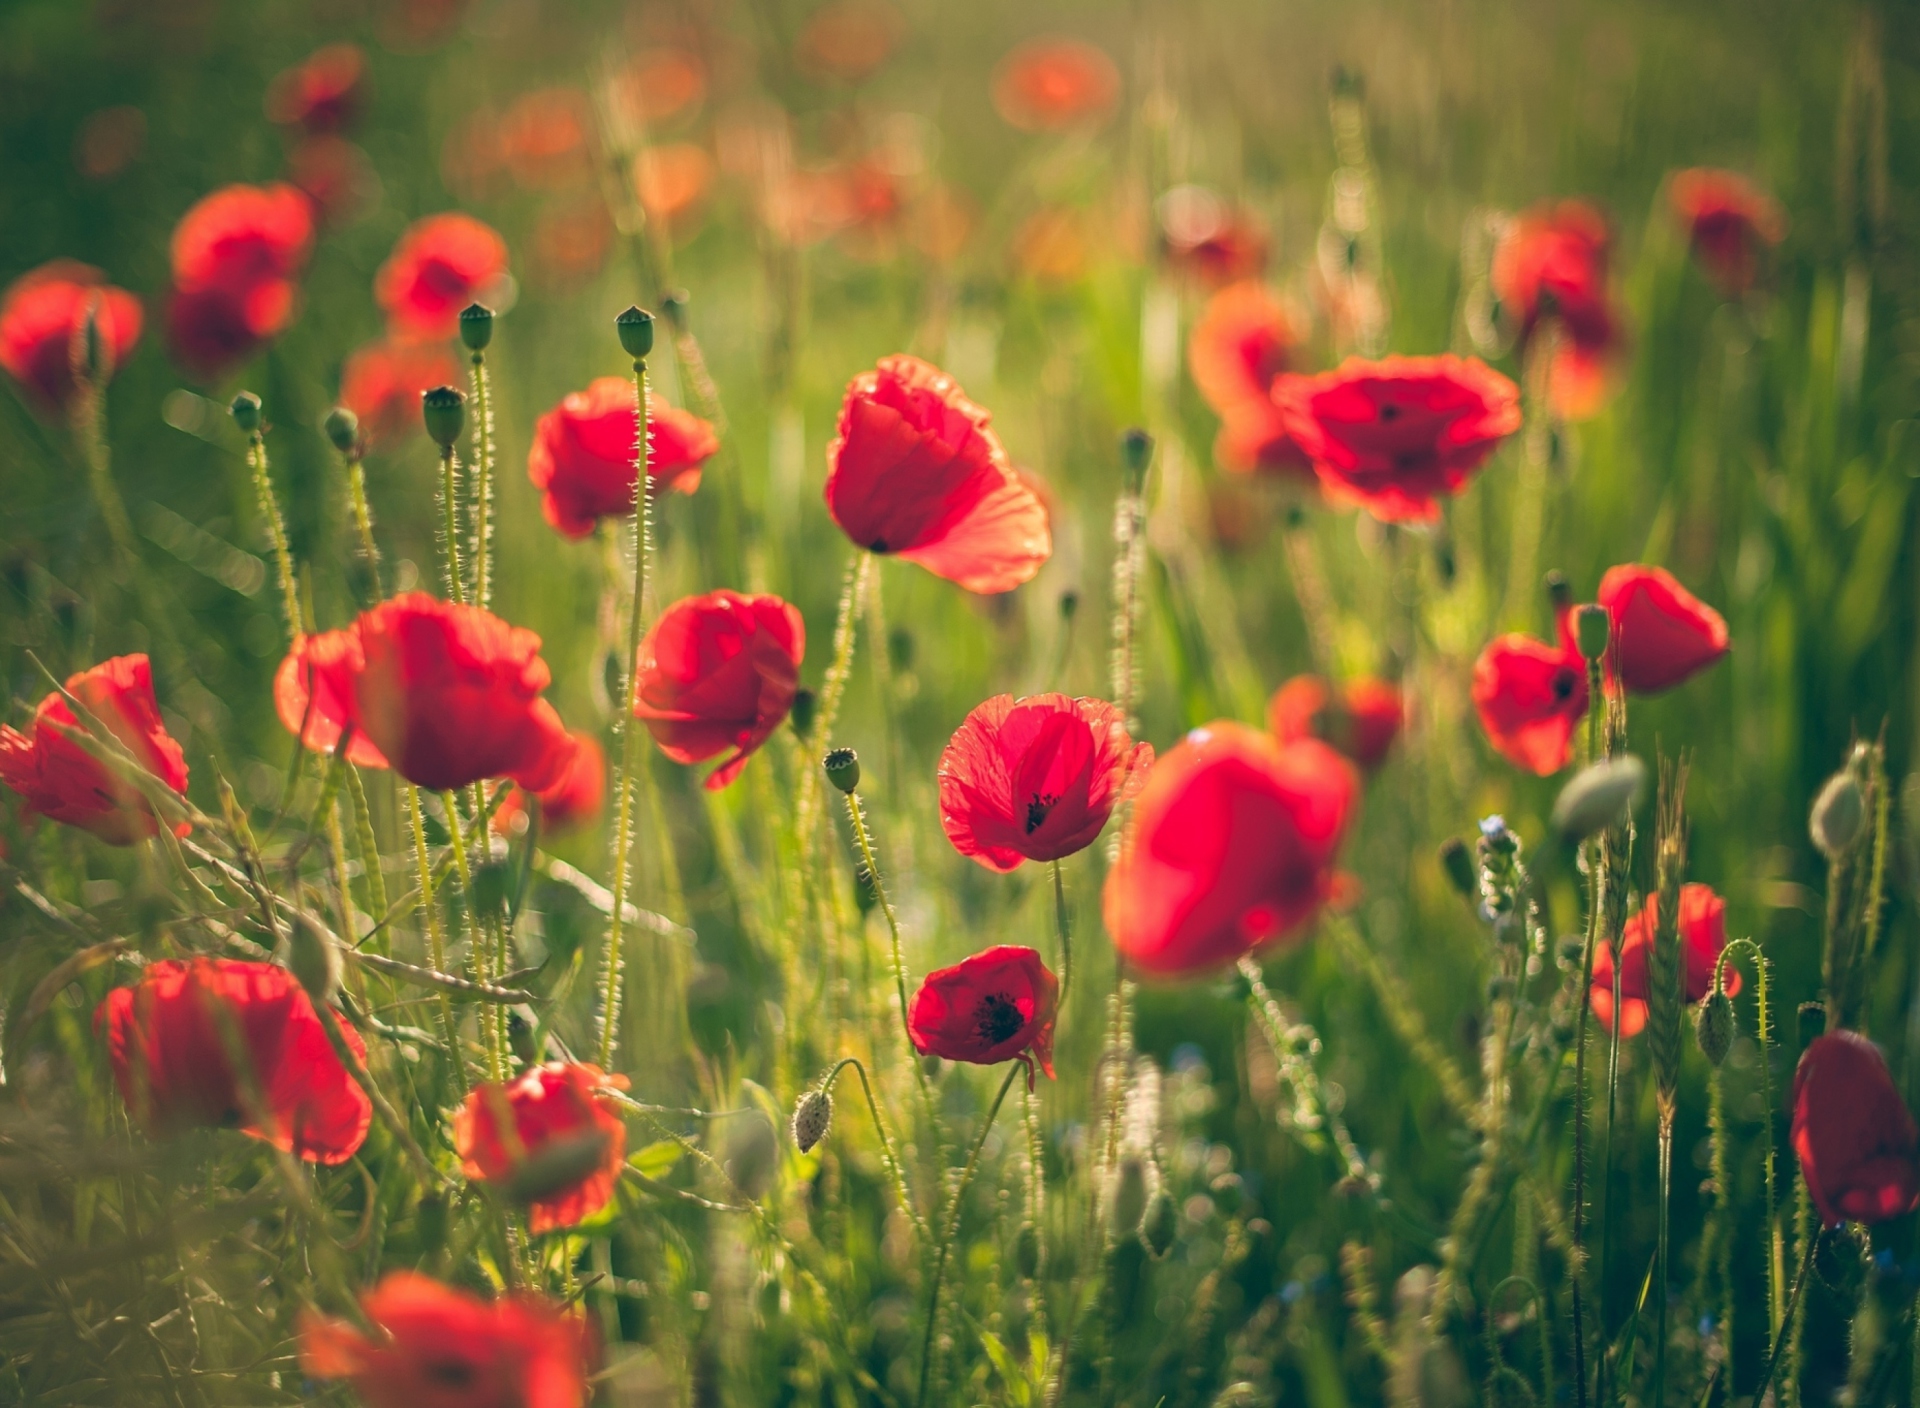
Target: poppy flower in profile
[436,1347]
[995,1006]
[325,93]
[1392,436]
[1551,263]
[918,472]
[1239,348]
[719,672]
[236,255]
[1051,83]
[549,1138]
[170,1057]
[1232,847]
[43,323]
[849,39]
[1361,723]
[438,266]
[1703,933]
[1530,696]
[573,798]
[59,778]
[1853,1132]
[1661,633]
[582,455]
[1730,222]
[1037,778]
[382,382]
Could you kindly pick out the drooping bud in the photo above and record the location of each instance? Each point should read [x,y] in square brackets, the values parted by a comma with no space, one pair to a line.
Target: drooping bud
[343,429]
[558,1163]
[444,410]
[635,327]
[1714,1027]
[246,412]
[313,957]
[1159,1224]
[800,715]
[1129,1196]
[1591,627]
[1600,795]
[1457,861]
[476,326]
[1838,813]
[1136,450]
[1559,590]
[812,1118]
[843,768]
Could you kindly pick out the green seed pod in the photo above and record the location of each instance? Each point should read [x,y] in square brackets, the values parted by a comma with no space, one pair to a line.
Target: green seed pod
[635,327]
[1838,813]
[812,1118]
[444,410]
[476,326]
[1159,1224]
[1136,451]
[1026,1251]
[558,1163]
[843,769]
[1591,628]
[1714,1027]
[1457,862]
[313,957]
[1599,796]
[801,713]
[343,429]
[246,412]
[1129,1196]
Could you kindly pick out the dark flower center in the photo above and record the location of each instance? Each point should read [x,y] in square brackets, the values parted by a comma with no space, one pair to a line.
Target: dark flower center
[997,1019]
[878,545]
[1038,806]
[1563,686]
[1389,412]
[448,1373]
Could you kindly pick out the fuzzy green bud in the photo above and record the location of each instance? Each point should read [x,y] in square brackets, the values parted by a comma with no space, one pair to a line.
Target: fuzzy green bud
[476,326]
[1159,1224]
[444,411]
[1136,450]
[635,327]
[812,1118]
[1714,1027]
[246,412]
[843,768]
[1591,628]
[1599,796]
[343,429]
[1457,861]
[1129,1196]
[1838,814]
[802,710]
[313,957]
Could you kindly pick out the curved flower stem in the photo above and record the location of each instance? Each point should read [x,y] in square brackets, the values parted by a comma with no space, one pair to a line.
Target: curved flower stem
[436,939]
[864,839]
[482,481]
[450,508]
[852,591]
[886,1141]
[1064,926]
[952,1229]
[276,530]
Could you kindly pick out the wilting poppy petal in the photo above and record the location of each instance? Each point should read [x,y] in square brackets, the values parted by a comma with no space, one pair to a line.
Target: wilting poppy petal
[583,454]
[1853,1132]
[1661,633]
[551,1114]
[987,1009]
[43,320]
[439,266]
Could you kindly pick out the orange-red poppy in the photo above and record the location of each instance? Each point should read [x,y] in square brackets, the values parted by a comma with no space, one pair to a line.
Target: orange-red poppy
[582,458]
[995,1006]
[552,1112]
[43,323]
[1052,82]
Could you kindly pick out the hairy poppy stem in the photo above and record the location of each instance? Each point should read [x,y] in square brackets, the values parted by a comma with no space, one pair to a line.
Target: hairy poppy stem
[886,1141]
[369,846]
[450,504]
[436,939]
[477,956]
[276,530]
[1793,1306]
[482,475]
[363,520]
[1065,927]
[952,1229]
[1776,1269]
[864,839]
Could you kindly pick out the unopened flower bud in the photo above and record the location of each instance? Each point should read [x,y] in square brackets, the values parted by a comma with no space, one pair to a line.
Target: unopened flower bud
[1591,627]
[1158,1224]
[1129,1196]
[1559,590]
[1600,795]
[444,410]
[1838,813]
[1136,450]
[843,769]
[1026,1251]
[1457,862]
[476,326]
[246,412]
[313,957]
[558,1163]
[812,1118]
[343,429]
[801,712]
[635,327]
[1713,1028]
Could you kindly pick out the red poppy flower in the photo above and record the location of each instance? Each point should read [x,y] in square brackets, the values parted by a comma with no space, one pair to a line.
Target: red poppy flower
[382,381]
[1051,83]
[1853,1132]
[1530,695]
[672,180]
[1240,346]
[1661,632]
[995,1006]
[544,138]
[1206,237]
[545,1113]
[719,672]
[171,1035]
[323,94]
[1703,933]
[582,456]
[918,472]
[1730,222]
[444,694]
[336,175]
[1551,261]
[235,257]
[849,39]
[1036,779]
[1232,847]
[59,778]
[1362,723]
[1392,436]
[436,1347]
[439,266]
[575,796]
[659,84]
[43,321]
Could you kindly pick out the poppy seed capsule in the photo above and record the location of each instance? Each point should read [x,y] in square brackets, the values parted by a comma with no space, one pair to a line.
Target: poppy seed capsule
[843,769]
[246,412]
[343,429]
[1591,628]
[444,411]
[1714,1027]
[476,326]
[1159,1224]
[812,1118]
[1599,796]
[1837,814]
[313,957]
[635,327]
[1457,862]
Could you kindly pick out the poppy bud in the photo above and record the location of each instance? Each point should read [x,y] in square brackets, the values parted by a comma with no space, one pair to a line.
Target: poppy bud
[812,1118]
[1591,628]
[1457,862]
[343,429]
[1069,603]
[476,326]
[444,410]
[674,305]
[1136,449]
[1837,815]
[1600,795]
[801,712]
[1026,1251]
[556,1164]
[1714,1027]
[246,412]
[635,327]
[1129,1196]
[1158,1224]
[1559,590]
[931,1066]
[843,769]
[313,957]
[1811,1022]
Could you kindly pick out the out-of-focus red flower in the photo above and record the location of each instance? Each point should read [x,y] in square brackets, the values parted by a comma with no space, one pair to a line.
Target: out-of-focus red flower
[1854,1134]
[1394,435]
[43,322]
[719,672]
[1661,633]
[1232,847]
[571,240]
[1051,83]
[1208,238]
[940,223]
[672,180]
[1362,723]
[545,138]
[582,456]
[236,256]
[660,84]
[1036,779]
[381,383]
[995,1006]
[571,799]
[551,1114]
[1239,348]
[917,472]
[110,141]
[1530,696]
[849,39]
[1730,222]
[60,779]
[436,1347]
[335,175]
[446,695]
[171,1038]
[440,265]
[1703,933]
[1050,246]
[1551,262]
[325,93]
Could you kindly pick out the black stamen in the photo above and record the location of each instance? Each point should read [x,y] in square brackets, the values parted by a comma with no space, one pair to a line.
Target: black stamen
[1037,809]
[997,1019]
